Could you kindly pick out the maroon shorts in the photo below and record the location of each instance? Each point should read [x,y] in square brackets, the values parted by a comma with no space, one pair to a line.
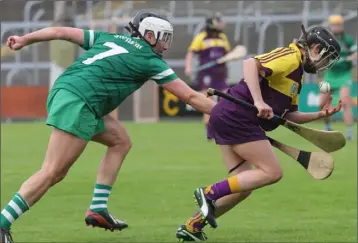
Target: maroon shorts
[233,124]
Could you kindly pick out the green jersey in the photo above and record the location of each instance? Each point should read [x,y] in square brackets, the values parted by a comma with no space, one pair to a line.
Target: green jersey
[341,71]
[114,66]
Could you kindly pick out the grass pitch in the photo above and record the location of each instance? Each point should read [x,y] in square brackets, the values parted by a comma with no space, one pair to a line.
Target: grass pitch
[153,193]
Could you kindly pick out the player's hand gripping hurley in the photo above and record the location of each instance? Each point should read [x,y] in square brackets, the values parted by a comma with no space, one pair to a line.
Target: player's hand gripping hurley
[329,141]
[237,53]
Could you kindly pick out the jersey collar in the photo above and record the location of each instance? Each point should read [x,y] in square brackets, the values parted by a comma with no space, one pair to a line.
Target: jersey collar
[297,51]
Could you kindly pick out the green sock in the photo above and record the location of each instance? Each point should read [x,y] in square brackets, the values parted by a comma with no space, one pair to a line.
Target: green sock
[13,210]
[100,198]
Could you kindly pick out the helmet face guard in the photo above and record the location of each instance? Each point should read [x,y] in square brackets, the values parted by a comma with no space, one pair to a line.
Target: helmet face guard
[167,39]
[325,59]
[329,49]
[145,22]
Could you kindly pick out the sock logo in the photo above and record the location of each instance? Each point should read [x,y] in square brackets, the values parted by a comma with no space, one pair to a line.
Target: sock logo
[209,190]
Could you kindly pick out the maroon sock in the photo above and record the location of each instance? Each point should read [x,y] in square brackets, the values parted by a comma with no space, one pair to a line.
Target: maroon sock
[195,223]
[218,190]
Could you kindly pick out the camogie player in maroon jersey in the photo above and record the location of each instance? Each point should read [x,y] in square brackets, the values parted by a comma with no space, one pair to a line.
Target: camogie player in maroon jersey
[272,82]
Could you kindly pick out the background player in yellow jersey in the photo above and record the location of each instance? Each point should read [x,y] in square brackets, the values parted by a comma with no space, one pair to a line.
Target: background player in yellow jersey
[340,76]
[114,66]
[210,44]
[272,82]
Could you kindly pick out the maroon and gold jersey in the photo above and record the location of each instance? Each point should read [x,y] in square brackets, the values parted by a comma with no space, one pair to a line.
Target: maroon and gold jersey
[210,47]
[281,79]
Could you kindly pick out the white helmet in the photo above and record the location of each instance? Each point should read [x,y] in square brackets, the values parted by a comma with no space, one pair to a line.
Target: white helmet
[148,21]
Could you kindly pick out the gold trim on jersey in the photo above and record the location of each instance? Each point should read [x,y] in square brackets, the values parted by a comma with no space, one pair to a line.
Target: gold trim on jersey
[276,54]
[199,42]
[210,43]
[266,55]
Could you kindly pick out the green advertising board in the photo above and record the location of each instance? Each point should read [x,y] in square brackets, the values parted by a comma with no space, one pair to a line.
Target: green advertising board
[309,99]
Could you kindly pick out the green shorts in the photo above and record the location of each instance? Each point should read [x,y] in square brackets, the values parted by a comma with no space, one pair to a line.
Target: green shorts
[68,112]
[339,80]
[340,84]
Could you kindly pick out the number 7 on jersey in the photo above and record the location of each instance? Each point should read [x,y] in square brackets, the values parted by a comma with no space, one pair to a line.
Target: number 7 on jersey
[114,50]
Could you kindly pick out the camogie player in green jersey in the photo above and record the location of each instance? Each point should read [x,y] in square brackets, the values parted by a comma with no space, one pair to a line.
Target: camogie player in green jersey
[340,75]
[79,103]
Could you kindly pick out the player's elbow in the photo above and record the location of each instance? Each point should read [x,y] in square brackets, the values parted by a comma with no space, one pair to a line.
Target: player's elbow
[69,34]
[180,89]
[58,33]
[199,102]
[186,95]
[295,117]
[190,97]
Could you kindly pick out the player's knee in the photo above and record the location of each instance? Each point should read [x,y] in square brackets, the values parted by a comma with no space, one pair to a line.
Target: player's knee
[275,176]
[272,172]
[122,145]
[53,176]
[58,178]
[127,145]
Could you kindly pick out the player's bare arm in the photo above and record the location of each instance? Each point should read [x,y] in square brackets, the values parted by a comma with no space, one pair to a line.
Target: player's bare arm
[305,117]
[73,35]
[197,100]
[251,74]
[188,63]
